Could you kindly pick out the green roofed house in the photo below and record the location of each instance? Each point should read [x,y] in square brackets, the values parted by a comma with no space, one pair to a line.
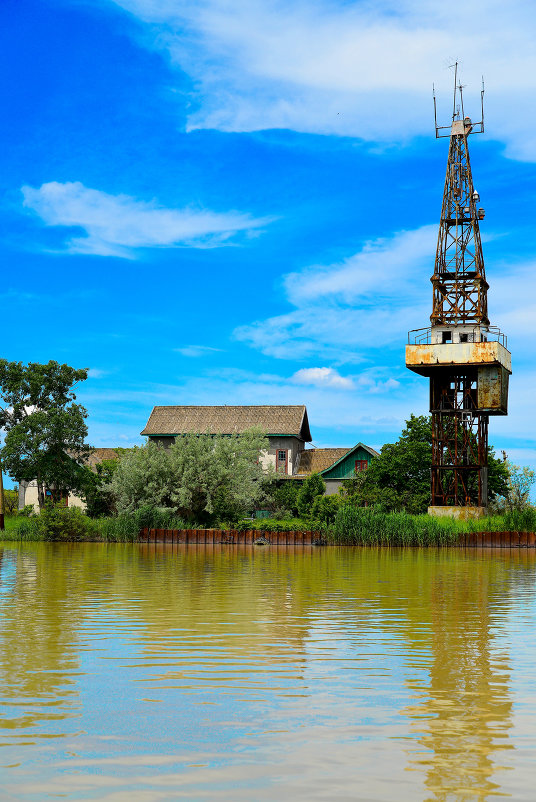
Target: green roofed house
[334,464]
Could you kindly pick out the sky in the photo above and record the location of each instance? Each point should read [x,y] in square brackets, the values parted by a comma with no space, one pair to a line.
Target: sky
[215,202]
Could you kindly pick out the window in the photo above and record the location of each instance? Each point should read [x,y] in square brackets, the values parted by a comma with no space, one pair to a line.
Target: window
[361,465]
[281,465]
[446,336]
[464,338]
[56,497]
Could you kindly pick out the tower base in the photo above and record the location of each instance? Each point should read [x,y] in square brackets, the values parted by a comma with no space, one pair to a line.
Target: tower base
[459,513]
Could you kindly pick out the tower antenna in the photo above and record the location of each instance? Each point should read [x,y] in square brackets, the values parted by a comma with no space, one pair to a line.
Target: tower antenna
[476,128]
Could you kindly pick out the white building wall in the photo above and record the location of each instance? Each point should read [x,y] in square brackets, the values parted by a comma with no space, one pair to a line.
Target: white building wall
[28,495]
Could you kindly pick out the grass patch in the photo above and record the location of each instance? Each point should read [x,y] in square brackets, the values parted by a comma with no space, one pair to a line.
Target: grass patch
[365,526]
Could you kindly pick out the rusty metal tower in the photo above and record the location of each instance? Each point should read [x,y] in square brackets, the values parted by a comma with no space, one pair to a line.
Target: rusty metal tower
[464,357]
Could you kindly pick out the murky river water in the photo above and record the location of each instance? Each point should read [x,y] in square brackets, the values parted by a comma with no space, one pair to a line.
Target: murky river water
[142,672]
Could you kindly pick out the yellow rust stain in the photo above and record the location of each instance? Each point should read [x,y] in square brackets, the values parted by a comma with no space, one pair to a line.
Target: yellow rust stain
[457,354]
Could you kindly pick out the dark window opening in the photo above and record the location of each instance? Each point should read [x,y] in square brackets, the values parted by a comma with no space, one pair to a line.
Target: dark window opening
[447,336]
[464,338]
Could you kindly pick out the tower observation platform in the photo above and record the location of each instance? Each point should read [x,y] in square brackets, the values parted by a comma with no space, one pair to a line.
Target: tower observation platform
[465,358]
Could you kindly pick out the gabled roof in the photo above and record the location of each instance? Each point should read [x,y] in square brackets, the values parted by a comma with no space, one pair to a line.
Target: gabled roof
[316,460]
[368,449]
[322,460]
[97,455]
[283,420]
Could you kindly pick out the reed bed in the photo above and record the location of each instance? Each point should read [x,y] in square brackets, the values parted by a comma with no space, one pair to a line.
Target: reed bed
[365,526]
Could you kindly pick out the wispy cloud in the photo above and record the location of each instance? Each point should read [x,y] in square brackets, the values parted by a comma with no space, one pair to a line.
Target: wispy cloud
[195,351]
[353,69]
[322,377]
[119,225]
[344,310]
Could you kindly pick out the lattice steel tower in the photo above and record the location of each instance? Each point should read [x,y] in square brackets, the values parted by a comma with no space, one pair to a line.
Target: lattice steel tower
[465,358]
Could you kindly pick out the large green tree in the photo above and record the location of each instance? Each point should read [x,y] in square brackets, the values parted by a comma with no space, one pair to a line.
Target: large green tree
[202,477]
[45,430]
[399,479]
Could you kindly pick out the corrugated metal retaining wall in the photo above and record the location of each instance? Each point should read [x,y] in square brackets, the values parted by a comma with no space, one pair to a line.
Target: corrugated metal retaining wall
[505,540]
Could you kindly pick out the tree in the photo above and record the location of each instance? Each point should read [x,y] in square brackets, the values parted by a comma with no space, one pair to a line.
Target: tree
[202,478]
[96,491]
[11,501]
[282,497]
[311,489]
[45,429]
[399,478]
[519,483]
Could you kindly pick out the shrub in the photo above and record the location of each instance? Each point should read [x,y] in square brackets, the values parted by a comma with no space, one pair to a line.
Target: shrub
[200,477]
[325,508]
[312,488]
[282,498]
[56,523]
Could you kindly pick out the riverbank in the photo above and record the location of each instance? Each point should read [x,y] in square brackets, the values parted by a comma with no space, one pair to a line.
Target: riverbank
[352,526]
[249,537]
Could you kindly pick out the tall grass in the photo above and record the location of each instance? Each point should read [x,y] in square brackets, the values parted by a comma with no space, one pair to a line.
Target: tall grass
[365,526]
[128,525]
[511,521]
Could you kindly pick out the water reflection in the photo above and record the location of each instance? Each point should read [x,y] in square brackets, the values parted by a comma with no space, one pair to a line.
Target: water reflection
[159,672]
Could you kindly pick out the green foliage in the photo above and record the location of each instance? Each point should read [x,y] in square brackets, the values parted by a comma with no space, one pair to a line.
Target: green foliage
[45,429]
[98,497]
[128,525]
[199,478]
[399,478]
[325,508]
[56,523]
[519,481]
[367,526]
[11,501]
[312,487]
[272,525]
[282,497]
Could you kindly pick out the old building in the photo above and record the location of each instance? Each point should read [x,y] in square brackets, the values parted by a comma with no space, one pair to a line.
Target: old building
[28,490]
[334,464]
[286,427]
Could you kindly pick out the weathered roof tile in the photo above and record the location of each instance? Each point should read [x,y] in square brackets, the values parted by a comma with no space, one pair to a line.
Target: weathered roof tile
[173,420]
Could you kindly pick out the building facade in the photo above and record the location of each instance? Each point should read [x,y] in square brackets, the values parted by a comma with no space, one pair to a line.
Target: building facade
[286,427]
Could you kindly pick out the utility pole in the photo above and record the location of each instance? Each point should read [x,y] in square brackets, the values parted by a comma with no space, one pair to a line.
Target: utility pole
[465,358]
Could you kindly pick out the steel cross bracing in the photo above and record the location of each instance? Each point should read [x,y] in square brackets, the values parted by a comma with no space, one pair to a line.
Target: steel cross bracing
[459,440]
[459,428]
[459,280]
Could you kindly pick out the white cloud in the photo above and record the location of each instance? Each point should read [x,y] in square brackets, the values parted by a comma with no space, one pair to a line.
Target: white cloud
[322,377]
[353,69]
[96,373]
[118,225]
[345,310]
[196,350]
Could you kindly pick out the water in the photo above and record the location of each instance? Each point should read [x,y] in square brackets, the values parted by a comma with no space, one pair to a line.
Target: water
[139,672]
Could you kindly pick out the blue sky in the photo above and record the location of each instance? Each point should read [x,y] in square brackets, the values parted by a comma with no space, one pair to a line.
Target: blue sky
[237,202]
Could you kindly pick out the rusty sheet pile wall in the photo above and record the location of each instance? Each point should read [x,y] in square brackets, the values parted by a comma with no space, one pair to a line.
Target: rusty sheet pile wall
[199,537]
[229,536]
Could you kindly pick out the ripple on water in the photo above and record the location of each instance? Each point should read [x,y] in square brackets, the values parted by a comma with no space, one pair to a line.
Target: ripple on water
[139,673]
